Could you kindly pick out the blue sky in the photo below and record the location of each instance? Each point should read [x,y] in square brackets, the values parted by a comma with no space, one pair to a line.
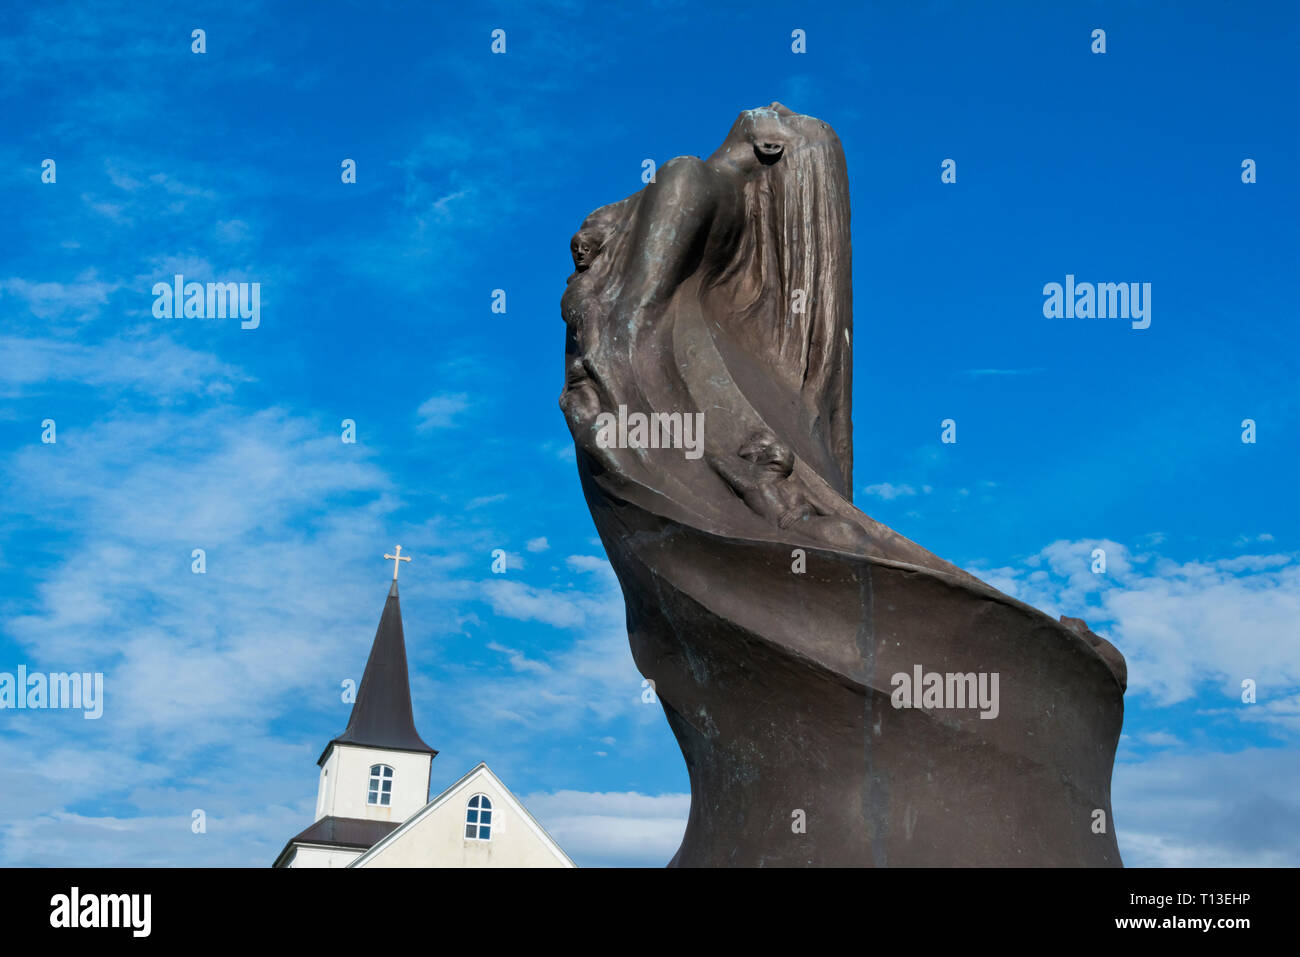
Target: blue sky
[473,170]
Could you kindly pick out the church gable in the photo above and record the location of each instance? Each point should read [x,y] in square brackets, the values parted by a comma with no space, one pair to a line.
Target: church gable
[477,822]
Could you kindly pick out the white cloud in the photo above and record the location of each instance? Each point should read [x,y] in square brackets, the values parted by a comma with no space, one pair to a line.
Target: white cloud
[613,829]
[237,487]
[441,206]
[154,366]
[519,661]
[888,491]
[591,681]
[1269,708]
[515,599]
[595,564]
[1160,739]
[1179,625]
[537,544]
[1179,809]
[172,185]
[1253,539]
[80,300]
[232,230]
[440,411]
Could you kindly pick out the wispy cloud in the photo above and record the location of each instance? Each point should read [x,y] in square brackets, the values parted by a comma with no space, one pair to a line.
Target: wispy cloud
[613,829]
[888,491]
[1178,809]
[1181,625]
[519,661]
[441,411]
[80,300]
[156,366]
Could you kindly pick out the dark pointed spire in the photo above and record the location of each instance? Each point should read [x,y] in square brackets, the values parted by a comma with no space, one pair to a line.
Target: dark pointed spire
[381,715]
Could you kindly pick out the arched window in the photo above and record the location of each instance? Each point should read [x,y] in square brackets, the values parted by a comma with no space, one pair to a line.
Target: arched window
[478,818]
[381,785]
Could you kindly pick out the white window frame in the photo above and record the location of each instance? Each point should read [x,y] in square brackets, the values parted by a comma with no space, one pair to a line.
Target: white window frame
[376,794]
[475,826]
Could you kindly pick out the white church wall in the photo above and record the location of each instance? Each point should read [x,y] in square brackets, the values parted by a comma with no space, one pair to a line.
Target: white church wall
[347,784]
[329,773]
[437,838]
[305,856]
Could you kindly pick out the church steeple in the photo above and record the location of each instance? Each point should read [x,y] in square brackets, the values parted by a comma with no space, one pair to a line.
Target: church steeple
[381,715]
[376,773]
[374,785]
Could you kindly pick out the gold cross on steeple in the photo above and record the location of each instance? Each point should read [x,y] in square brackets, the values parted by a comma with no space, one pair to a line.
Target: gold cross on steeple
[399,557]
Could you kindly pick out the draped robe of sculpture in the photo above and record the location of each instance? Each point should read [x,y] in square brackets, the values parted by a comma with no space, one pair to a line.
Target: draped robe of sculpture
[773,617]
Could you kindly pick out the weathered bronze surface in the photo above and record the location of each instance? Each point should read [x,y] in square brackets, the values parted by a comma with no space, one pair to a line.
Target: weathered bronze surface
[777,621]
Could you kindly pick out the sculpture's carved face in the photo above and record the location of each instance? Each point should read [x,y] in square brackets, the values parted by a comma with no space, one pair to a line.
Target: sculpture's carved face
[585,246]
[768,453]
[768,136]
[761,137]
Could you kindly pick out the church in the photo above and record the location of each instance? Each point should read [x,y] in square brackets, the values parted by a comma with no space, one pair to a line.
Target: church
[373,807]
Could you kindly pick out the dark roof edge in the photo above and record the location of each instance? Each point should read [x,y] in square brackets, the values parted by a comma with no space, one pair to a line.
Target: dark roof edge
[431,752]
[305,836]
